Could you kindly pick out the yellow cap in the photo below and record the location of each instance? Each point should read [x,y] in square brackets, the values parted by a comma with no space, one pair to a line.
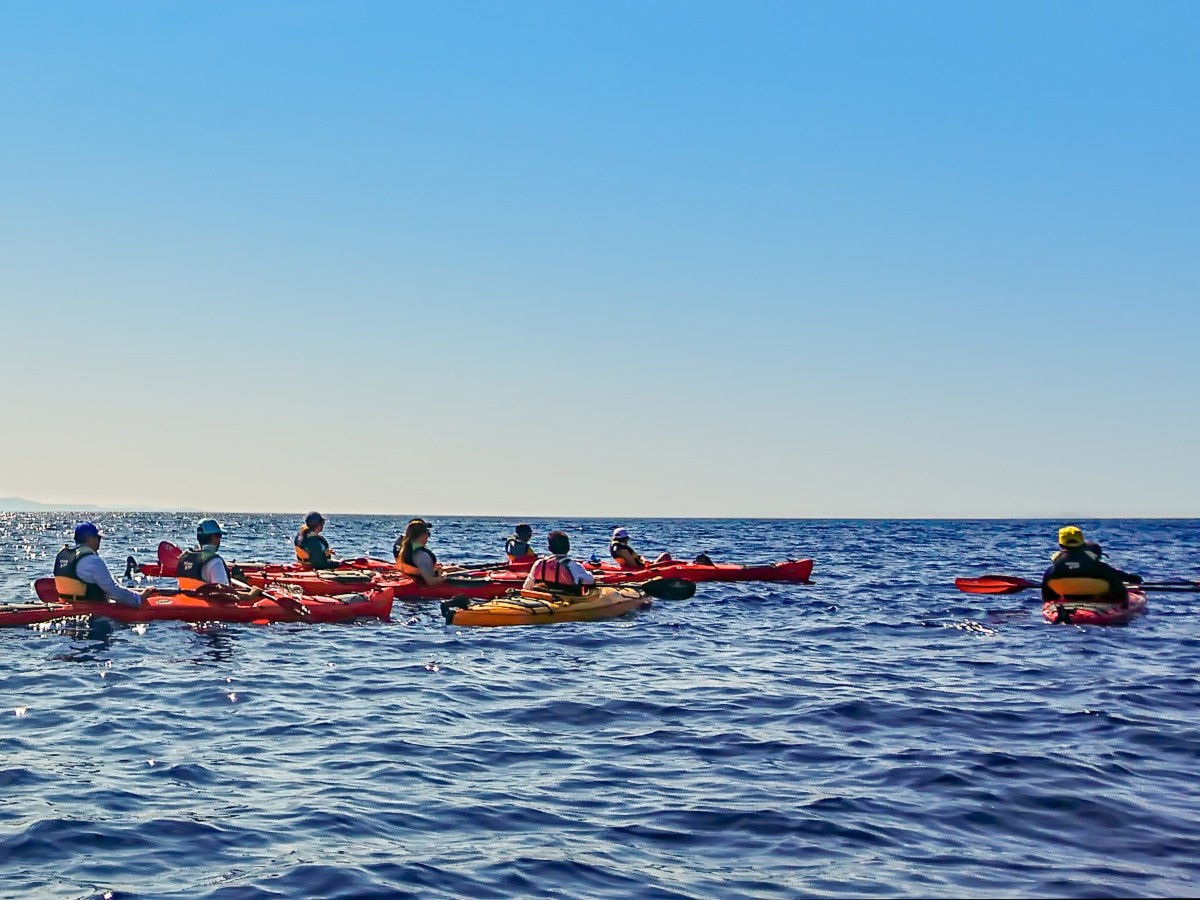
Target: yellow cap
[1071,536]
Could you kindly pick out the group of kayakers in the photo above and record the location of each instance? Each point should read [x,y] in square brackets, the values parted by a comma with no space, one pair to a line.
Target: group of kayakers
[81,574]
[1076,570]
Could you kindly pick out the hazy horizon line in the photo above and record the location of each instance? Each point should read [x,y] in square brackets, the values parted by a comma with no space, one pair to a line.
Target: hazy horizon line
[92,508]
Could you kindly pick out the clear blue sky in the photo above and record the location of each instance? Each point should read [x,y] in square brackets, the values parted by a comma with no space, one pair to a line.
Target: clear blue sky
[646,258]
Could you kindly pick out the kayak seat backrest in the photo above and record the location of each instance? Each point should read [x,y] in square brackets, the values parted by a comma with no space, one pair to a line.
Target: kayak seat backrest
[1079,587]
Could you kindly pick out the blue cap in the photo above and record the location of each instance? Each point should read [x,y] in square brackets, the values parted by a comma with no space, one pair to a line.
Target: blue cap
[313,518]
[85,530]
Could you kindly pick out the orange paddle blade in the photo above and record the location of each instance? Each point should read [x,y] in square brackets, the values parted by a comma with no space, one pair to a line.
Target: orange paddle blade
[994,584]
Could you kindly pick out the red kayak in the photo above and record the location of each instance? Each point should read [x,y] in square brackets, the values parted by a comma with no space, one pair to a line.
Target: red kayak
[486,584]
[792,570]
[1096,612]
[183,606]
[483,586]
[168,558]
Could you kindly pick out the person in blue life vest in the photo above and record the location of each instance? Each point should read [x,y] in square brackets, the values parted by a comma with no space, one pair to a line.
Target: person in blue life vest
[558,571]
[311,548]
[517,548]
[1076,572]
[80,573]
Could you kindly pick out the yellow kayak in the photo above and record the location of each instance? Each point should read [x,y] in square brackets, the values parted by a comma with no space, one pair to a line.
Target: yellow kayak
[544,607]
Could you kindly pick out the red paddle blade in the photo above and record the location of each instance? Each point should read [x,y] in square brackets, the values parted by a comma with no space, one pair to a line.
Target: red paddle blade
[45,590]
[994,584]
[168,559]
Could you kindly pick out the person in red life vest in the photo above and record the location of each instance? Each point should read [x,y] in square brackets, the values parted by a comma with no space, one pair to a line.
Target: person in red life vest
[558,570]
[416,560]
[517,548]
[80,573]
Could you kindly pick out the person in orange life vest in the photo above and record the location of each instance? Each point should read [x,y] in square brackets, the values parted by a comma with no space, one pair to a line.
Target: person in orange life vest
[416,560]
[558,570]
[80,573]
[312,549]
[517,548]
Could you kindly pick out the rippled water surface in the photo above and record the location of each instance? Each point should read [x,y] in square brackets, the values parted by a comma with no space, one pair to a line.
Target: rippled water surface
[874,732]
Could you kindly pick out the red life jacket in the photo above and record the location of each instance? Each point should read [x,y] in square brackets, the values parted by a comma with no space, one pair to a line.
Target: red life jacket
[552,570]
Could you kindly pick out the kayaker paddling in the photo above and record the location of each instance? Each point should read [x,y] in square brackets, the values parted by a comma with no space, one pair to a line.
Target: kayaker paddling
[80,573]
[1077,573]
[415,559]
[558,570]
[311,548]
[517,548]
[203,565]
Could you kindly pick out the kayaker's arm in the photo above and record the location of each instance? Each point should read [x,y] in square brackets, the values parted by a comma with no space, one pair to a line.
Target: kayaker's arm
[92,570]
[430,572]
[1048,596]
[1126,576]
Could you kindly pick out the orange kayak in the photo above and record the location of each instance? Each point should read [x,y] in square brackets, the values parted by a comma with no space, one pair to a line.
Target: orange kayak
[543,608]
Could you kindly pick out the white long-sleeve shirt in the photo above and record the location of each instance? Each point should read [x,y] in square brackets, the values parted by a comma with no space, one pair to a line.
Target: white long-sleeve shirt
[93,570]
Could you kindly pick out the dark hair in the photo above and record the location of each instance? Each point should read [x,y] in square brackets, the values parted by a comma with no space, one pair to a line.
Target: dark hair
[559,542]
[523,530]
[412,531]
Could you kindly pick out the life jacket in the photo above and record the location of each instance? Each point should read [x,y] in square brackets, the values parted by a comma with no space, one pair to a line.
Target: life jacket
[67,581]
[517,549]
[554,571]
[190,566]
[302,554]
[1077,574]
[614,550]
[1079,588]
[406,563]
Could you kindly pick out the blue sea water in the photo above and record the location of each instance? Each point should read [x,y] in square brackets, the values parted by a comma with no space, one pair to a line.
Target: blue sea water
[875,732]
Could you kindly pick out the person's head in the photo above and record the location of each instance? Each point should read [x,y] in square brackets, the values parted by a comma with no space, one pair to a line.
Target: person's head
[314,522]
[620,535]
[87,535]
[523,532]
[208,533]
[416,533]
[559,543]
[1070,537]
